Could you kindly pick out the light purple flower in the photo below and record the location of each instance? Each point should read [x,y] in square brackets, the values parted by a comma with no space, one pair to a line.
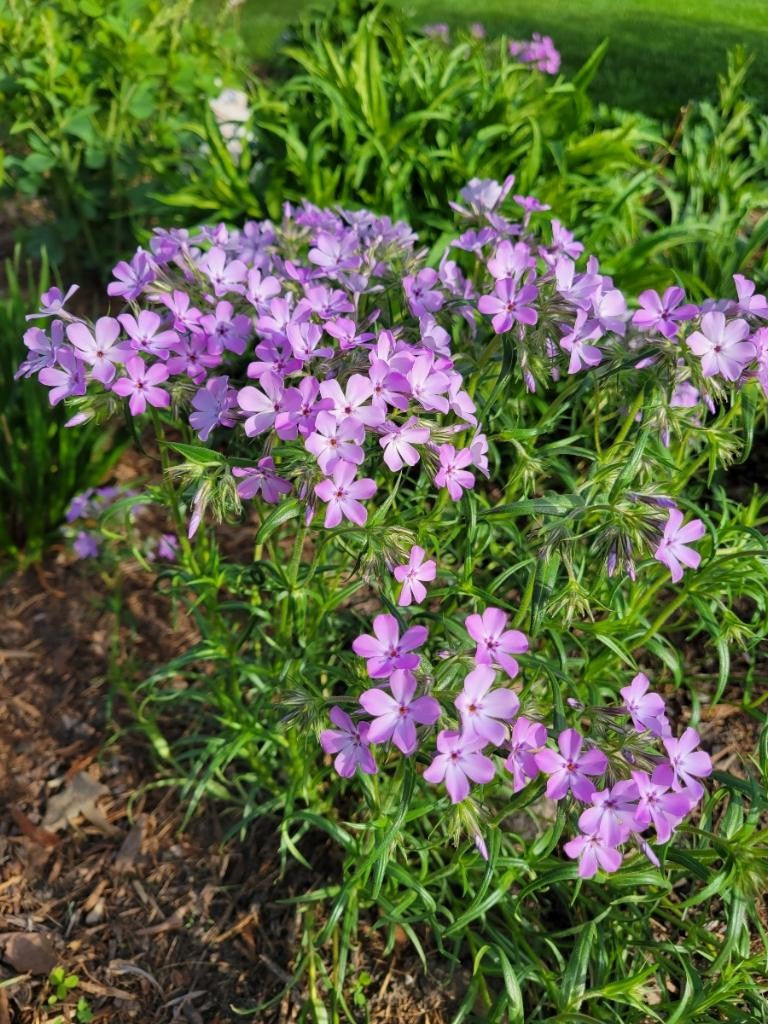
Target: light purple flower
[65,379]
[398,443]
[483,711]
[421,293]
[414,575]
[593,852]
[646,709]
[495,643]
[350,744]
[213,406]
[263,404]
[612,814]
[261,480]
[672,550]
[687,764]
[526,741]
[343,494]
[86,545]
[335,441]
[576,341]
[459,760]
[133,277]
[352,401]
[452,472]
[386,650]
[569,769]
[658,805]
[224,276]
[722,347]
[42,349]
[146,333]
[142,386]
[396,715]
[53,302]
[99,349]
[663,314]
[508,305]
[748,302]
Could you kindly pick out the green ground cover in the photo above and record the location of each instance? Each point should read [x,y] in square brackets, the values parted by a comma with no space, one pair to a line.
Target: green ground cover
[662,52]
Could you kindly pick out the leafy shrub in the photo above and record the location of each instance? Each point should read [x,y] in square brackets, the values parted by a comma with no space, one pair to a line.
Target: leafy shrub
[42,464]
[95,100]
[508,417]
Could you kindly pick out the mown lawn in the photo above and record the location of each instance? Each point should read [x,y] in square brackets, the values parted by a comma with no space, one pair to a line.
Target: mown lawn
[662,52]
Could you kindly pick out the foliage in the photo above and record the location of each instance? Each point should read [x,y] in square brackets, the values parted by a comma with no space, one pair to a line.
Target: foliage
[42,463]
[95,96]
[598,419]
[364,110]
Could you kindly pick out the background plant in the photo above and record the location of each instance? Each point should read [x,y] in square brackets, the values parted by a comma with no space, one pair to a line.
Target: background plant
[95,100]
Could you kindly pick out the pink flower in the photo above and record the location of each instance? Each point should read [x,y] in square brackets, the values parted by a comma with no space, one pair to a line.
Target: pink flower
[146,334]
[351,403]
[142,385]
[459,760]
[343,494]
[428,385]
[387,651]
[452,472]
[336,441]
[569,769]
[577,341]
[656,804]
[266,403]
[509,306]
[483,712]
[646,709]
[612,814]
[527,740]
[686,764]
[413,576]
[398,443]
[397,714]
[672,550]
[722,346]
[593,852]
[495,643]
[350,743]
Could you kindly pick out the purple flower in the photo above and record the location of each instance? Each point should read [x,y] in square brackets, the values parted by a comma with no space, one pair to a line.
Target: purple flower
[398,443]
[484,195]
[86,545]
[593,852]
[66,379]
[133,277]
[350,744]
[334,252]
[452,472]
[526,741]
[656,804]
[397,714]
[414,575]
[146,334]
[99,349]
[142,386]
[421,293]
[459,760]
[577,341]
[672,550]
[167,548]
[687,764]
[722,347]
[509,306]
[42,349]
[53,302]
[386,650]
[663,314]
[343,494]
[495,643]
[225,277]
[213,405]
[748,302]
[569,769]
[511,261]
[428,385]
[265,404]
[646,709]
[351,403]
[484,710]
[262,480]
[230,331]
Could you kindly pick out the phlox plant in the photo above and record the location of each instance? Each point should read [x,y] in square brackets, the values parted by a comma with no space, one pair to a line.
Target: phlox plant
[493,543]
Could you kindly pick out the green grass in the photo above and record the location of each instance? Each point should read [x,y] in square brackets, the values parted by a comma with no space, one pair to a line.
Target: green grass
[662,52]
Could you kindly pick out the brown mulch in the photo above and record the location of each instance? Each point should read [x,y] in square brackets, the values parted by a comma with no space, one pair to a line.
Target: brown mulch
[95,875]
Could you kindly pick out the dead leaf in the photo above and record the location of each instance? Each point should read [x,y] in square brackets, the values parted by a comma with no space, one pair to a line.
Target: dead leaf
[131,848]
[28,828]
[28,952]
[78,799]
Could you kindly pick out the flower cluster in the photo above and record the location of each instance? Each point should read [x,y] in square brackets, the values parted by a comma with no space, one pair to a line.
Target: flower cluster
[643,779]
[539,51]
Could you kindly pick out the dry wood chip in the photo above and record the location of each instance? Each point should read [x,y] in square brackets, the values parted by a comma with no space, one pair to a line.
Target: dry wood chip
[78,799]
[131,848]
[28,952]
[28,828]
